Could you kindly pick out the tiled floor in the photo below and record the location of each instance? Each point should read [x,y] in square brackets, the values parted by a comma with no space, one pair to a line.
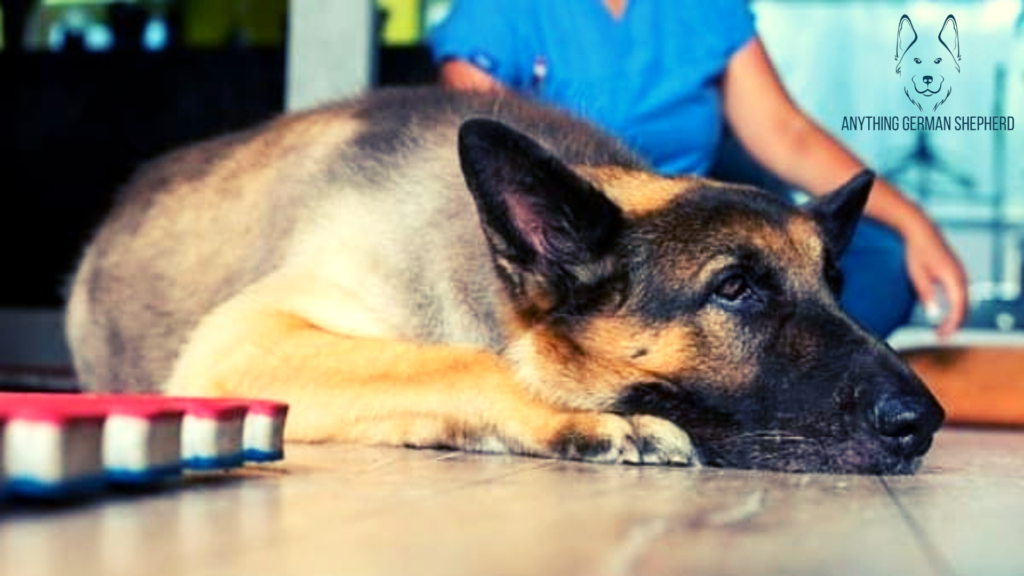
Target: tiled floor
[356,510]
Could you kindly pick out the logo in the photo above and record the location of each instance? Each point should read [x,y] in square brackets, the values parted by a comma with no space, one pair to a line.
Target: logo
[928,66]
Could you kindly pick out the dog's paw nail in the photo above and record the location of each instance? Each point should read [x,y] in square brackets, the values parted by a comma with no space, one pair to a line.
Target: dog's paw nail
[631,453]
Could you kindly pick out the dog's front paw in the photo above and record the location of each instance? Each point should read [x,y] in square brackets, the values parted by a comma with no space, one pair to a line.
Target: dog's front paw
[662,442]
[612,439]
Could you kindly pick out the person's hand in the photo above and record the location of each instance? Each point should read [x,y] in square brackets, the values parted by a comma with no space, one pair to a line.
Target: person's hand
[930,262]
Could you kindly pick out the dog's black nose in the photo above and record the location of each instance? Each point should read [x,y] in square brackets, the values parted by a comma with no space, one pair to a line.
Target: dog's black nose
[907,422]
[927,79]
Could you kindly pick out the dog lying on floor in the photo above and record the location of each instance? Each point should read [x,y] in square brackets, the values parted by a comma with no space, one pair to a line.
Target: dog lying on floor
[434,269]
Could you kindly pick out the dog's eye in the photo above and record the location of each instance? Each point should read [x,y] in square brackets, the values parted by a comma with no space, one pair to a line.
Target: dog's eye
[937,60]
[733,288]
[918,60]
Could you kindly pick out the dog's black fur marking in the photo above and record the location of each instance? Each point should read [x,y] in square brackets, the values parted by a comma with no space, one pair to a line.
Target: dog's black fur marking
[390,114]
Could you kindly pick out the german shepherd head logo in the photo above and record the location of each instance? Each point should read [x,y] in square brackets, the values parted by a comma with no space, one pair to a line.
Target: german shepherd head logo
[927,66]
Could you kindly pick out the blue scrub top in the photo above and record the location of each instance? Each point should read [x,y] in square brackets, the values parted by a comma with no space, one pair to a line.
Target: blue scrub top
[650,78]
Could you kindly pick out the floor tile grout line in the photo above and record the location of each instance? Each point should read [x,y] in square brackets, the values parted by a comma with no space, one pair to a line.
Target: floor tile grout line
[940,564]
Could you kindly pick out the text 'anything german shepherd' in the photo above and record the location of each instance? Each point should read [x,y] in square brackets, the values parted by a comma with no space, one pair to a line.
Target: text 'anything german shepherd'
[569,304]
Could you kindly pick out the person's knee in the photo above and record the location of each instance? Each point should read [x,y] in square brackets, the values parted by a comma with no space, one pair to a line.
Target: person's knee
[877,293]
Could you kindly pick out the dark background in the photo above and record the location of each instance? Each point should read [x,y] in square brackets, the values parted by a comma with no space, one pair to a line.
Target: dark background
[75,124]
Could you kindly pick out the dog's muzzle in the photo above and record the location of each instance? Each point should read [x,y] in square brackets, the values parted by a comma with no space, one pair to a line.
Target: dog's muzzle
[929,90]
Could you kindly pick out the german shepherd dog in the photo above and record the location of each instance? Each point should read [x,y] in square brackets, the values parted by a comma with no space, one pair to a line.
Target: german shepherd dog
[928,62]
[432,269]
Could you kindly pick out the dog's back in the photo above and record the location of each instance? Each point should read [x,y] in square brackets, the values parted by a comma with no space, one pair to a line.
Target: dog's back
[367,192]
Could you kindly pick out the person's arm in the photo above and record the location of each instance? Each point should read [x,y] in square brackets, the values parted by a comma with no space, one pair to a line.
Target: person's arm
[461,75]
[479,45]
[789,143]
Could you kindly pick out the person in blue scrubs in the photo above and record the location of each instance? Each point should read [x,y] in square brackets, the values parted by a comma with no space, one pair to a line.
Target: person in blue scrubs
[666,76]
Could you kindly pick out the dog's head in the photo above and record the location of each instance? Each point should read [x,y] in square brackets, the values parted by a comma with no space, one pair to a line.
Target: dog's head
[927,64]
[711,305]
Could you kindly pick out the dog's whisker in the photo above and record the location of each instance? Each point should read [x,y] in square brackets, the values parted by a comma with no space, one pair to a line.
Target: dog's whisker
[773,435]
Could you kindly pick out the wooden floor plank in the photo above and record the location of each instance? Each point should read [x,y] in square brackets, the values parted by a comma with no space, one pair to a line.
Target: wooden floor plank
[335,509]
[215,516]
[968,503]
[579,519]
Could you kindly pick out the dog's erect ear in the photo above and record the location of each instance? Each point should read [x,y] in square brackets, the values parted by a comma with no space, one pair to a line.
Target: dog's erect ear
[547,226]
[950,38]
[905,38]
[838,212]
